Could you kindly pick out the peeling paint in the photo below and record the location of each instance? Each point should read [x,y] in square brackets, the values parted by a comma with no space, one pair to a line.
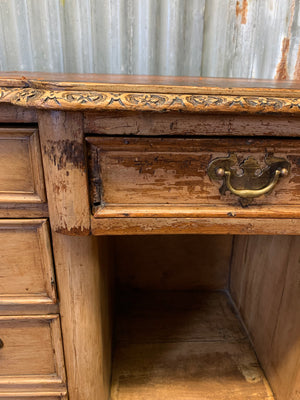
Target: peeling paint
[282,69]
[297,67]
[242,10]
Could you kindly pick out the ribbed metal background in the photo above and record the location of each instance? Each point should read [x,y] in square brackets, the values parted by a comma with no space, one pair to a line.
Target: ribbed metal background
[224,38]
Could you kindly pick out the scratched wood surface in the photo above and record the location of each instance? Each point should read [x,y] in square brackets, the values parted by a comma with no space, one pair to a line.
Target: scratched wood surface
[185,346]
[179,124]
[168,177]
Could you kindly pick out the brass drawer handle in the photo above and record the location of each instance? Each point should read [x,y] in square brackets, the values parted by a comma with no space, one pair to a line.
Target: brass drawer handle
[1,344]
[251,181]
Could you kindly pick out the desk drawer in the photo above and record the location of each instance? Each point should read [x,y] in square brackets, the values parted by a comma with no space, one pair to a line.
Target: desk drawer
[21,176]
[26,268]
[31,356]
[143,177]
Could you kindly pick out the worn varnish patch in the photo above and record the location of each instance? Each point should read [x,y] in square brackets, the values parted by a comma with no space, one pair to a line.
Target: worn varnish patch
[242,10]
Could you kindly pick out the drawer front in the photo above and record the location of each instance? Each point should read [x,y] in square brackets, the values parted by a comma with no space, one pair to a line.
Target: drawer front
[140,177]
[31,356]
[21,174]
[26,267]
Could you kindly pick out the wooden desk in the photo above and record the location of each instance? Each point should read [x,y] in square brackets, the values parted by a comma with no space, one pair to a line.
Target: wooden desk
[87,163]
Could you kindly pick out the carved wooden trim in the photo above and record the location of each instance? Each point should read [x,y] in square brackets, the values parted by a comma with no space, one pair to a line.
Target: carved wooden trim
[95,100]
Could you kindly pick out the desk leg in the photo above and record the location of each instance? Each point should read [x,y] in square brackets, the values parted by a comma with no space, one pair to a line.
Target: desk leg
[82,268]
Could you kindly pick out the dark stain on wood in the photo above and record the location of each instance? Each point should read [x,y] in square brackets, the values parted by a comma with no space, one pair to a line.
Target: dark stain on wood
[63,152]
[242,10]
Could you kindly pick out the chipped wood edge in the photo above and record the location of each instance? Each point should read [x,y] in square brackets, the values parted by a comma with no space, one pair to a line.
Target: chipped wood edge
[147,101]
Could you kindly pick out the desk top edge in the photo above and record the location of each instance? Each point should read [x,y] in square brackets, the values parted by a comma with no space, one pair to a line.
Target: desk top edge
[148,93]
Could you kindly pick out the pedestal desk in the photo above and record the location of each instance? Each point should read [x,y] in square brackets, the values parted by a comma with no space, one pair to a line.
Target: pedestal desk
[149,234]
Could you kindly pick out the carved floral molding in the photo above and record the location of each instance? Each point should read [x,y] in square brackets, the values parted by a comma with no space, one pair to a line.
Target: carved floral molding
[90,100]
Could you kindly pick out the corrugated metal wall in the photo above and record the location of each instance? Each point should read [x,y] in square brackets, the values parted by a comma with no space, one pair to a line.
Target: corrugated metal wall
[225,38]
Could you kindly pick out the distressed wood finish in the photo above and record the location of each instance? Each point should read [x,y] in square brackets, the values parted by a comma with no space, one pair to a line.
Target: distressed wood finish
[169,345]
[21,173]
[183,346]
[178,124]
[208,226]
[65,172]
[31,356]
[265,278]
[26,267]
[168,177]
[83,274]
[14,114]
[148,94]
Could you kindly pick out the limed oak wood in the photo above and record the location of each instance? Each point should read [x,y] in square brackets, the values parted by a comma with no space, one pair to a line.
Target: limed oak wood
[21,173]
[183,346]
[26,266]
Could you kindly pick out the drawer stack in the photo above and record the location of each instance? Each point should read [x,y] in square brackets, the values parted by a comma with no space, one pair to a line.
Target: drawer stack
[31,352]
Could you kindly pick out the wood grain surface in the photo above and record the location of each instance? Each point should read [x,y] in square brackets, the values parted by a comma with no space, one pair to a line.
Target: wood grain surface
[265,278]
[31,356]
[180,124]
[26,266]
[21,173]
[83,270]
[65,170]
[183,346]
[208,226]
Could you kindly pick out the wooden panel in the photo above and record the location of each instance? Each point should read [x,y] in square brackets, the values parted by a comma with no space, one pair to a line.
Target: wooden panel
[21,174]
[31,355]
[179,124]
[220,226]
[65,172]
[142,83]
[168,177]
[186,262]
[26,268]
[83,273]
[265,280]
[185,346]
[15,210]
[37,395]
[14,114]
